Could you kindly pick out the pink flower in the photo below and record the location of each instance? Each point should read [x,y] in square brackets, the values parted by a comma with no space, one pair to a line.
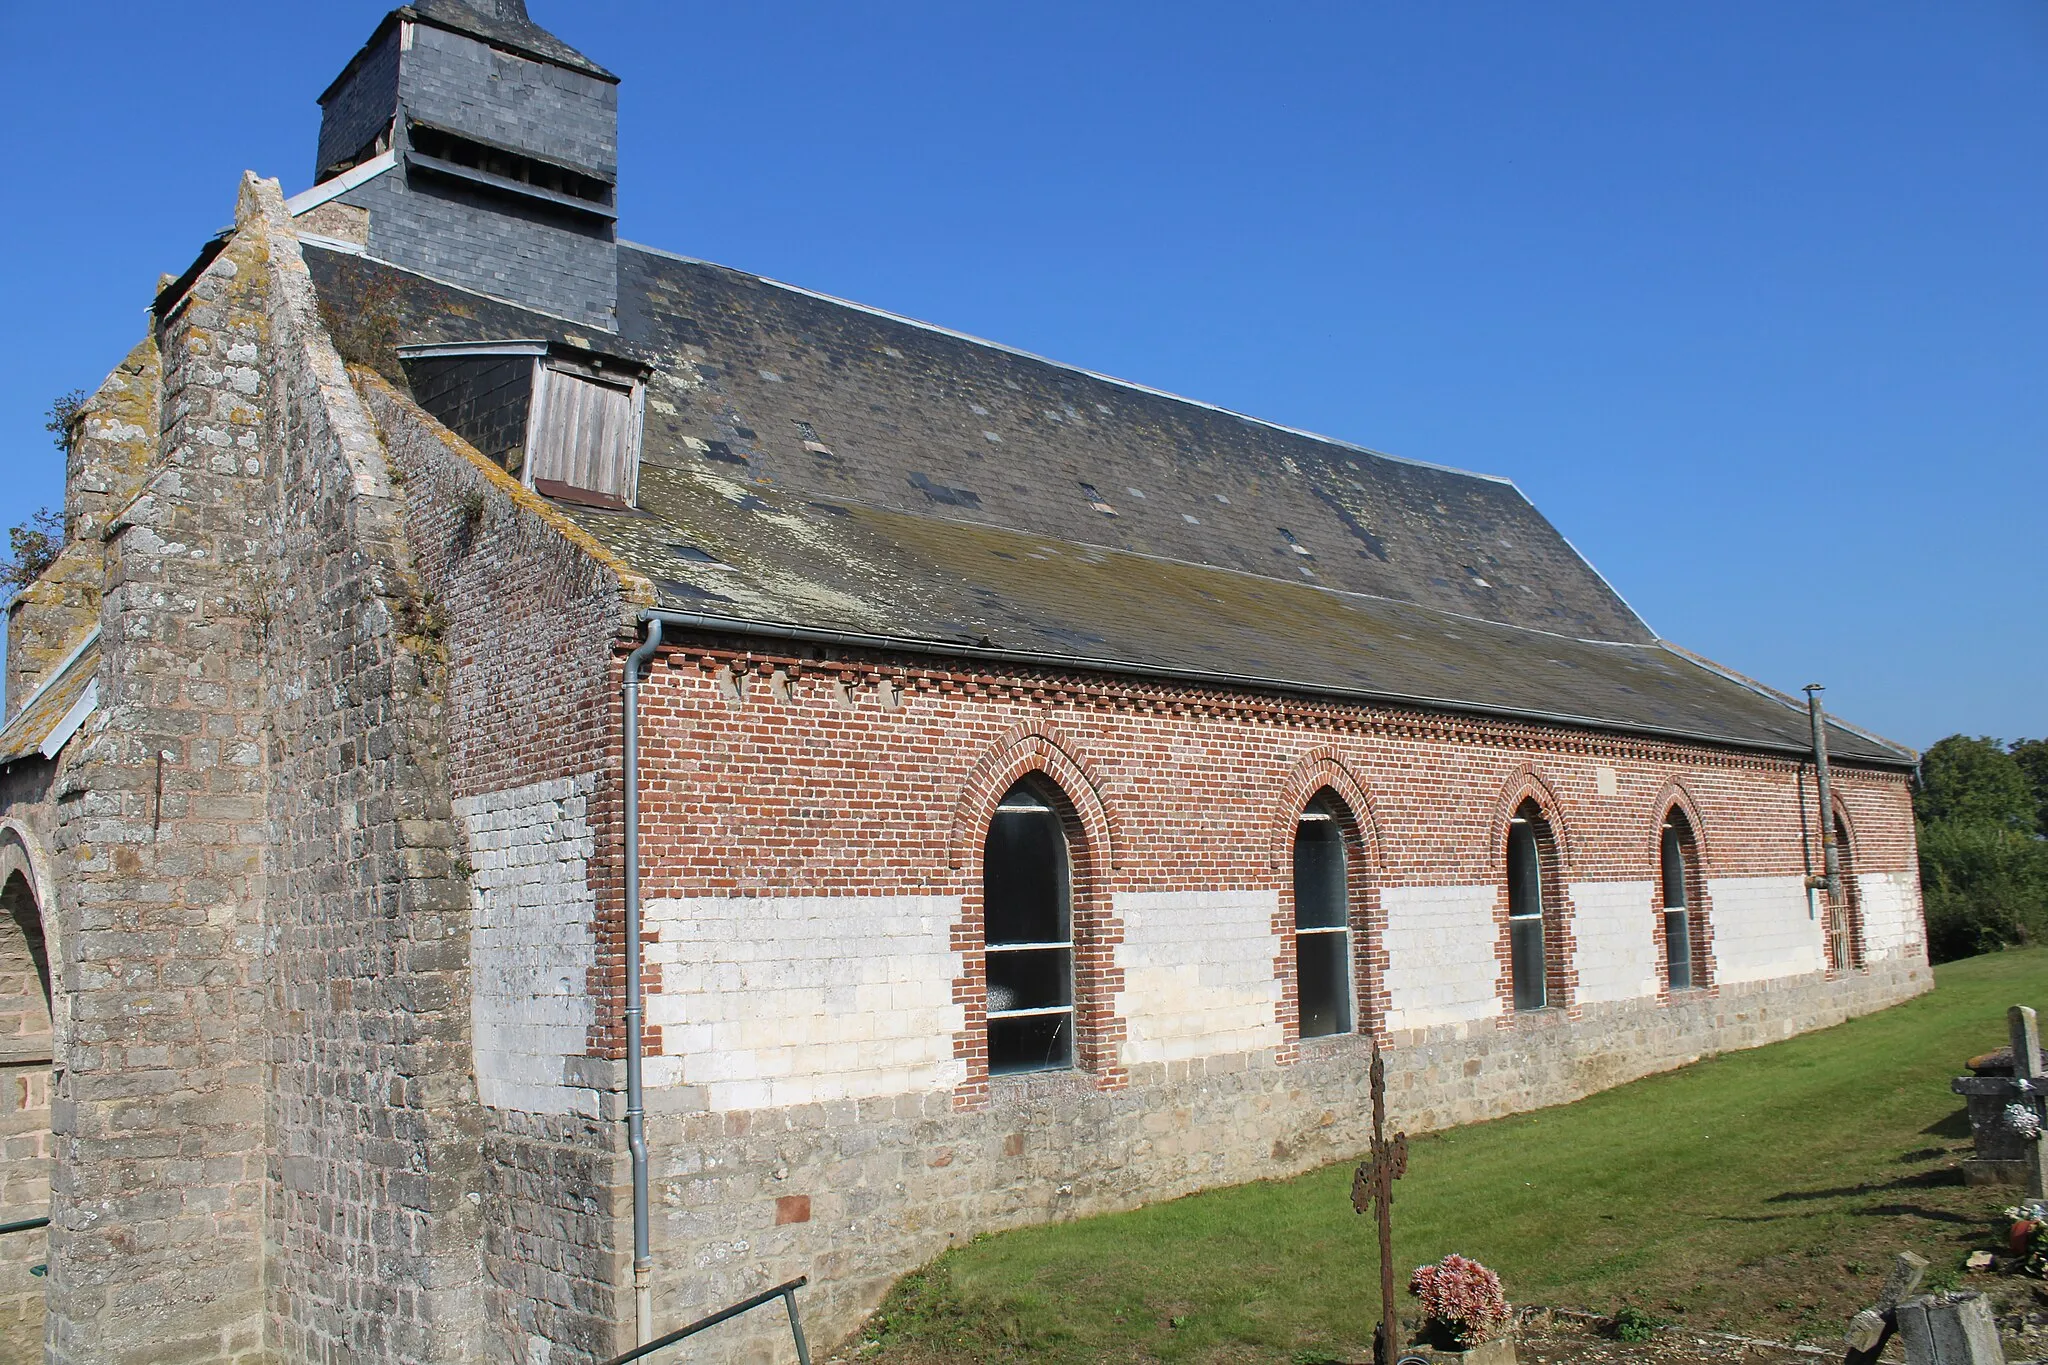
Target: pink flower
[1462,1296]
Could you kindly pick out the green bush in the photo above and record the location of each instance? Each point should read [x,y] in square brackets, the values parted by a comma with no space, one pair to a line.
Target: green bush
[1984,887]
[1632,1325]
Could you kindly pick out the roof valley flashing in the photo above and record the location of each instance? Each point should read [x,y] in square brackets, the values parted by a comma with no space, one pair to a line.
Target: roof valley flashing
[823,465]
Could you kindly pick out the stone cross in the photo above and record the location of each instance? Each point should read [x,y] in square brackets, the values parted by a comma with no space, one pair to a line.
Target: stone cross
[1372,1184]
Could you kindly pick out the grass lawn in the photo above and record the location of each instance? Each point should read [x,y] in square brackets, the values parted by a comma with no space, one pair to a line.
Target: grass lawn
[1761,1191]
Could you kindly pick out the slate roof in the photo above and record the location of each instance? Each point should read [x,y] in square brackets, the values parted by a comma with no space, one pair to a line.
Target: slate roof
[811,463]
[509,28]
[52,703]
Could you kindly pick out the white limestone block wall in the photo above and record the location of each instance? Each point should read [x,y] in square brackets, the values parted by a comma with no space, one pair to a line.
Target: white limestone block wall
[531,944]
[1616,931]
[1199,975]
[771,1001]
[1441,967]
[1892,922]
[1763,929]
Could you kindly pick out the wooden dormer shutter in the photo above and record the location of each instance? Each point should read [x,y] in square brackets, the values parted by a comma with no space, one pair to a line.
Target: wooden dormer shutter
[583,437]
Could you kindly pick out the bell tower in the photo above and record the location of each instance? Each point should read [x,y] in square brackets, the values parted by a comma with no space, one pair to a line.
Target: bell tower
[479,149]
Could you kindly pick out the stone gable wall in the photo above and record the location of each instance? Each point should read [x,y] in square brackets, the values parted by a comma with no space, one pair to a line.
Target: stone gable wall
[267,1123]
[158,1111]
[112,445]
[532,613]
[375,1174]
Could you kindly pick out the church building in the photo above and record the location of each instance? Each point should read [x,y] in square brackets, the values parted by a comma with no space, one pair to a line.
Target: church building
[556,785]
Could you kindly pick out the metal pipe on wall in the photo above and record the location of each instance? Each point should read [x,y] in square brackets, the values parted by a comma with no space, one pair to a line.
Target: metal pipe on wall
[636,1108]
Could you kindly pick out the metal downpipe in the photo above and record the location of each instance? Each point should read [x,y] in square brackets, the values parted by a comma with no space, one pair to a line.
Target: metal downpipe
[1830,856]
[636,1108]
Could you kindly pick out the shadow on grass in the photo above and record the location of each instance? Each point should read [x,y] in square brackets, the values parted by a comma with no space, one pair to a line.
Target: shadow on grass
[1956,1125]
[1918,1211]
[1919,1180]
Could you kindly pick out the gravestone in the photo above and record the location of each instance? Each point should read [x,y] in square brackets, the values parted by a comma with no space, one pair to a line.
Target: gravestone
[1949,1329]
[2006,1111]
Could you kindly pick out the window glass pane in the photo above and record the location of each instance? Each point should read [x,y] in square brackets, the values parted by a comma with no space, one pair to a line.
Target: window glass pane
[1678,949]
[1324,983]
[1024,877]
[1038,1042]
[1319,899]
[1525,872]
[1031,979]
[1526,942]
[1674,870]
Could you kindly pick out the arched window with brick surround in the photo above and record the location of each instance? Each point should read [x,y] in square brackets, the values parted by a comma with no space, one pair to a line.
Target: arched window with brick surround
[1845,920]
[1533,905]
[1678,880]
[1028,928]
[1322,920]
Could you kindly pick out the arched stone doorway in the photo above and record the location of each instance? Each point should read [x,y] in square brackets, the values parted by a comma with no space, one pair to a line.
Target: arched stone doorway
[26,1046]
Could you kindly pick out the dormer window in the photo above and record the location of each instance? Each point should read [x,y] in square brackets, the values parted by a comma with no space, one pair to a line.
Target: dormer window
[583,437]
[565,421]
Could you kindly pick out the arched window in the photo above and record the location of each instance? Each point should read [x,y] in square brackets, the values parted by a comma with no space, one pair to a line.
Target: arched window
[1528,843]
[1844,945]
[1676,862]
[1028,931]
[1322,921]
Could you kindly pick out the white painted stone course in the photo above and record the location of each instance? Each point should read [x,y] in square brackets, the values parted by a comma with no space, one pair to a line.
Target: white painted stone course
[1892,921]
[531,942]
[1441,967]
[1199,975]
[1616,932]
[1763,929]
[799,999]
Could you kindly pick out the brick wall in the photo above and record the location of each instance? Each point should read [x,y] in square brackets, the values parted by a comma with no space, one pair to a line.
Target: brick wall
[853,787]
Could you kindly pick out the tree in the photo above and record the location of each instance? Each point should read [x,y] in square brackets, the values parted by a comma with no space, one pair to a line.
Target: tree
[1974,782]
[34,545]
[2032,756]
[62,419]
[1983,864]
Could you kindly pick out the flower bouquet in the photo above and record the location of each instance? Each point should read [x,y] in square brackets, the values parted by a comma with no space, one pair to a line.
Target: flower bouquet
[1461,1301]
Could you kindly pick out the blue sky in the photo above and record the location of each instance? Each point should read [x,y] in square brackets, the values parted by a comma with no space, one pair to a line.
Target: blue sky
[1751,299]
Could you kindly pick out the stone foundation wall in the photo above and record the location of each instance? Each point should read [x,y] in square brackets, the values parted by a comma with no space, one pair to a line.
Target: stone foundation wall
[886,1184]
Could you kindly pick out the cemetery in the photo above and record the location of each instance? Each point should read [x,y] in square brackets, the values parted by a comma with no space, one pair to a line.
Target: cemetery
[1857,1194]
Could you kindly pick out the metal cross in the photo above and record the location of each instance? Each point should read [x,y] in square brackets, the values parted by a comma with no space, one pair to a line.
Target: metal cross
[1373,1184]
